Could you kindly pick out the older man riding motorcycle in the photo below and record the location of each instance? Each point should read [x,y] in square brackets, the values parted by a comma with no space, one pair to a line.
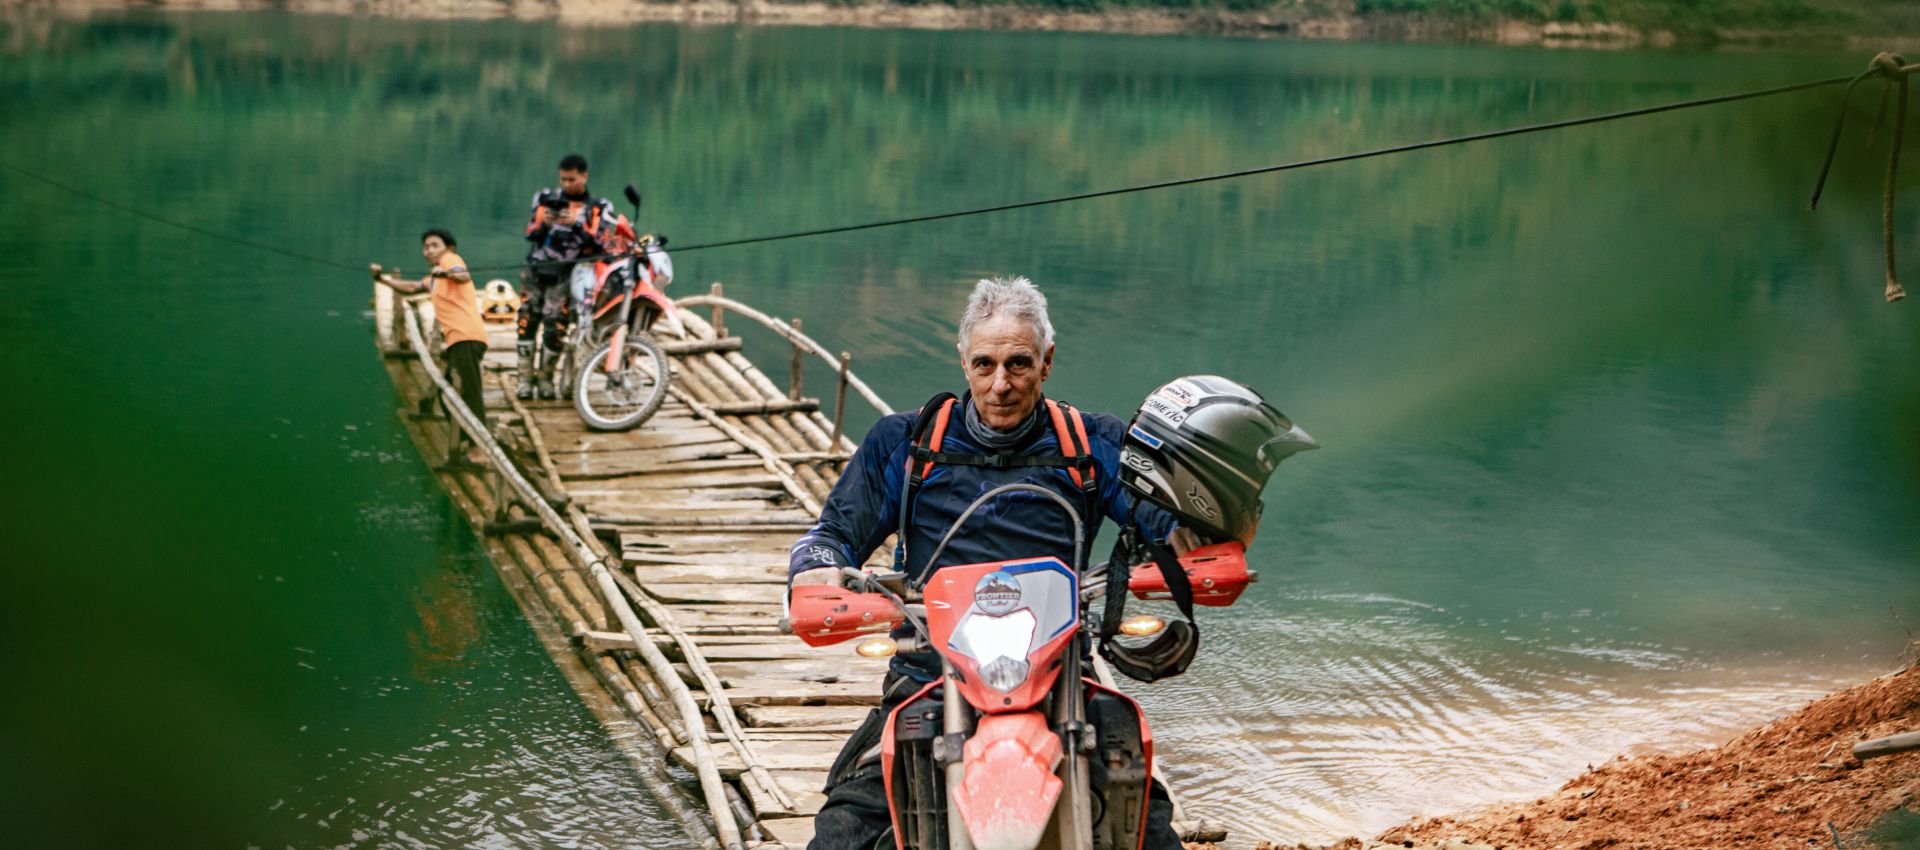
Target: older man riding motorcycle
[916,472]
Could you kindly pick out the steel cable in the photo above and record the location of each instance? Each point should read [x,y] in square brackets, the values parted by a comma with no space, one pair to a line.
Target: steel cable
[1879,67]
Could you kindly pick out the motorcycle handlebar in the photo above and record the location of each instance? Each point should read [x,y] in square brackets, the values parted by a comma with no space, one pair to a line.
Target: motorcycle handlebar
[861,581]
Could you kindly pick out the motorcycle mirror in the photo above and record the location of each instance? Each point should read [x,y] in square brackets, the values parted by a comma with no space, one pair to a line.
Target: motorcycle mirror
[633,197]
[1142,625]
[878,647]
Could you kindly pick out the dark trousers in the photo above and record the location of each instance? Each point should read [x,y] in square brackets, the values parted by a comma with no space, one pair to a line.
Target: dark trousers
[463,368]
[854,817]
[544,302]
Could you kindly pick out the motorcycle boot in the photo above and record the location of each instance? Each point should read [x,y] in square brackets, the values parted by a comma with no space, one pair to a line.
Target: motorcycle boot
[524,389]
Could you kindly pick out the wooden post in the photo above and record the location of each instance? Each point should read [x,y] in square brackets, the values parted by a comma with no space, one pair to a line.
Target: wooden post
[719,314]
[840,403]
[502,506]
[797,376]
[385,329]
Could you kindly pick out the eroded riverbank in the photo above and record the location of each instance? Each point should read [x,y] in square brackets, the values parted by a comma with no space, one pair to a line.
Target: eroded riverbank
[1790,783]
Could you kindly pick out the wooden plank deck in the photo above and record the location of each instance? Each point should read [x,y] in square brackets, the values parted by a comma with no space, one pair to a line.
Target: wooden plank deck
[695,511]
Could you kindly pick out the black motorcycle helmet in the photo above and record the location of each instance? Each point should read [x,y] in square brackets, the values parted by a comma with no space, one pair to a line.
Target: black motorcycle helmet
[1202,447]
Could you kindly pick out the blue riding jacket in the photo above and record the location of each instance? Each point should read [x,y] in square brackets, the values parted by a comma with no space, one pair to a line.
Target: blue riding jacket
[864,508]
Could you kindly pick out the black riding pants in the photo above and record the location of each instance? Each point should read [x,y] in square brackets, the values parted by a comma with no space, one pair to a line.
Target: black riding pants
[854,817]
[546,302]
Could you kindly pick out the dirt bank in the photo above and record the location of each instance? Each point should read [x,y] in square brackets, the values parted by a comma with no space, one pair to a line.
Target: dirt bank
[1777,786]
[1341,20]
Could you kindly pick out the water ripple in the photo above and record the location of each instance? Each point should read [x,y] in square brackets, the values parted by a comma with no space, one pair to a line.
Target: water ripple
[1361,713]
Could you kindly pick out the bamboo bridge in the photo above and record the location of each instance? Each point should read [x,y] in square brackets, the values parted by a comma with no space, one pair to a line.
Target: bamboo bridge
[652,562]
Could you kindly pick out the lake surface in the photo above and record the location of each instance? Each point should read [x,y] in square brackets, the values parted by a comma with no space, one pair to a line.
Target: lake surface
[1619,439]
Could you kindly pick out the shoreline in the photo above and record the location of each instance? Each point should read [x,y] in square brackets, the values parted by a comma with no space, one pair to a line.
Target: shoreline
[1326,22]
[1792,781]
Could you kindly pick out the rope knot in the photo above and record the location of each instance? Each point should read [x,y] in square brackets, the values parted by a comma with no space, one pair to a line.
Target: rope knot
[1891,67]
[1888,65]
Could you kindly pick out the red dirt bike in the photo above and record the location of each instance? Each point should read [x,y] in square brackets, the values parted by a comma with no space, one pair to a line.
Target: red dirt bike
[1014,747]
[612,366]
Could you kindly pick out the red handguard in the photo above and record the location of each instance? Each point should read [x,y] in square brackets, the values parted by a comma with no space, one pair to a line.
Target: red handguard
[820,614]
[1218,573]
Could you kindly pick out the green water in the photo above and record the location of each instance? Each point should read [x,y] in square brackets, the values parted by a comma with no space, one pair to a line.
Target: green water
[1620,440]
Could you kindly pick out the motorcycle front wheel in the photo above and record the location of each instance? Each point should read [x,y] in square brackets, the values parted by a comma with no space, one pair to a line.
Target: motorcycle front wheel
[626,396]
[563,373]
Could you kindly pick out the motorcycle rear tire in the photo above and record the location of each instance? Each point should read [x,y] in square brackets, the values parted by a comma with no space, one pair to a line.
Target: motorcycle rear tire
[646,376]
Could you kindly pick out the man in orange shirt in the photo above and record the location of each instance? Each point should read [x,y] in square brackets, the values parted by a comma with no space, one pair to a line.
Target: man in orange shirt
[457,309]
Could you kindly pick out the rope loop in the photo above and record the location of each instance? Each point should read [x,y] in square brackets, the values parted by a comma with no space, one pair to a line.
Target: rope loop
[1891,67]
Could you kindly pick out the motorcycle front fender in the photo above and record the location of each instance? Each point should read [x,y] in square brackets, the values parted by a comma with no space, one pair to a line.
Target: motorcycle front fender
[1007,798]
[667,310]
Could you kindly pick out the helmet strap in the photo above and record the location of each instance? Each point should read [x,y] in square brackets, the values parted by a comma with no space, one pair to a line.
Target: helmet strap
[1168,654]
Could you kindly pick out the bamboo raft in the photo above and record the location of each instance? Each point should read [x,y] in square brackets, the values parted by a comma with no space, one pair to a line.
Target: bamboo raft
[652,562]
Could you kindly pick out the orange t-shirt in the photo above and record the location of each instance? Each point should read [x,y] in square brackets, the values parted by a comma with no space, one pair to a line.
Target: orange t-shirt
[455,305]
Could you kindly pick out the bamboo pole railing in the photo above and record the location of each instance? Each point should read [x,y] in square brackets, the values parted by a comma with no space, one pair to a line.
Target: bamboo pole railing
[722,710]
[790,332]
[712,787]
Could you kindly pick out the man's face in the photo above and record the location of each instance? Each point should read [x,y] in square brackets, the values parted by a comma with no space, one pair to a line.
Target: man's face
[1005,368]
[573,182]
[431,248]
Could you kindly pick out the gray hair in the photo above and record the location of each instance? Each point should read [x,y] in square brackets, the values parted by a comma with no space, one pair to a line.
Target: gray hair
[1006,296]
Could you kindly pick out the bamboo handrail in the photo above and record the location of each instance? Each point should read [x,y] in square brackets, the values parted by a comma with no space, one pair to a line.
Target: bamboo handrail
[770,458]
[722,708]
[711,785]
[790,334]
[670,735]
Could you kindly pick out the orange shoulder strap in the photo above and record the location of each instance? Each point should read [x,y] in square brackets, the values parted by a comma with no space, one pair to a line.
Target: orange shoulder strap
[935,438]
[1073,441]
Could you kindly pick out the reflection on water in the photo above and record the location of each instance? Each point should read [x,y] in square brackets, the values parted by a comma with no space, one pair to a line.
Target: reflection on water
[1614,430]
[506,756]
[449,626]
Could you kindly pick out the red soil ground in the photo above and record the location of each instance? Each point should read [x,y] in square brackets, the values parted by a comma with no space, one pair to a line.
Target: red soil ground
[1776,787]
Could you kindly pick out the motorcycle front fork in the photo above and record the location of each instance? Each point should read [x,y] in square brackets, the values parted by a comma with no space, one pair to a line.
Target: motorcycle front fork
[1073,812]
[956,721]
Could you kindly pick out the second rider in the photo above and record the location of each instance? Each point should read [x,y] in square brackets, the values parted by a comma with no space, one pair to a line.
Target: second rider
[566,224]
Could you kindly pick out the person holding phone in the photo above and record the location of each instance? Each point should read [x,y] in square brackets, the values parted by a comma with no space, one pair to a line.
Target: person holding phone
[567,223]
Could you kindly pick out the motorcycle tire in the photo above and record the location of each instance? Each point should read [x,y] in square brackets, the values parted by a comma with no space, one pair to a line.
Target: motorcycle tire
[627,397]
[563,373]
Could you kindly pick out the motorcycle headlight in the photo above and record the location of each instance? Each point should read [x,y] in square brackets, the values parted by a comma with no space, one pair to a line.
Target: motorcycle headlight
[1004,674]
[1000,644]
